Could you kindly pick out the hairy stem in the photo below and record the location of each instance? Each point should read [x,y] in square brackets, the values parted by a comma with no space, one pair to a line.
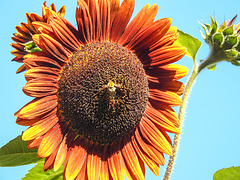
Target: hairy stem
[181,118]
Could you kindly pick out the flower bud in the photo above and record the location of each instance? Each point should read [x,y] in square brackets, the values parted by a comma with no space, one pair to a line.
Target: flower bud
[224,40]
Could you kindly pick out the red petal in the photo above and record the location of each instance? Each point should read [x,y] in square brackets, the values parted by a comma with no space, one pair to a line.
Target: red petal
[51,47]
[140,21]
[165,97]
[171,72]
[149,35]
[64,33]
[40,60]
[84,22]
[104,10]
[121,19]
[166,55]
[173,86]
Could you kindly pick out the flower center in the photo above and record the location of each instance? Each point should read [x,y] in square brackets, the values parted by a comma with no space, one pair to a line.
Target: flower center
[103,92]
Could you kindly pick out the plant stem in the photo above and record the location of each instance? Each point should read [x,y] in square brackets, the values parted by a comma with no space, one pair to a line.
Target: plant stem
[176,140]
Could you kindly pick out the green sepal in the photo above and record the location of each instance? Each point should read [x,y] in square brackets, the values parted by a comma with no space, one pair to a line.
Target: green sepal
[235,62]
[31,47]
[232,40]
[218,38]
[36,49]
[222,27]
[208,26]
[214,26]
[237,47]
[228,31]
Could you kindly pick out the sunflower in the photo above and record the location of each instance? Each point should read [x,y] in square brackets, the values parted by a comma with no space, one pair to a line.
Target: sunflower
[23,38]
[103,92]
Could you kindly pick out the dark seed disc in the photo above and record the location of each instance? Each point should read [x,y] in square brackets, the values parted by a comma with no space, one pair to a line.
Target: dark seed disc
[103,92]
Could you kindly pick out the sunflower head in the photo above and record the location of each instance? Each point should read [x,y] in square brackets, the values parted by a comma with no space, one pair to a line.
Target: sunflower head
[104,91]
[224,38]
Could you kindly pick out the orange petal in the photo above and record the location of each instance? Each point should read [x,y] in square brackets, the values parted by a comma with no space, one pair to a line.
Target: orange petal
[37,107]
[61,154]
[104,10]
[36,88]
[29,22]
[148,149]
[140,21]
[166,97]
[152,165]
[104,171]
[114,4]
[43,28]
[121,19]
[149,35]
[42,73]
[132,162]
[159,120]
[39,129]
[18,53]
[65,33]
[40,60]
[49,161]
[94,162]
[82,175]
[34,143]
[155,137]
[51,47]
[77,158]
[84,22]
[174,86]
[167,40]
[115,162]
[94,12]
[37,120]
[21,69]
[51,140]
[166,55]
[166,112]
[170,72]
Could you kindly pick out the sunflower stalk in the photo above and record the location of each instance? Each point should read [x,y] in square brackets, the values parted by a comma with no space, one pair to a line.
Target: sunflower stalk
[214,57]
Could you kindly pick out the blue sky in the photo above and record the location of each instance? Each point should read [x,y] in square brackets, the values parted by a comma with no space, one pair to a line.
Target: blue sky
[210,137]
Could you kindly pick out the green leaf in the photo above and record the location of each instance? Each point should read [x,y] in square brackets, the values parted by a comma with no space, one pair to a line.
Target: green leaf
[37,172]
[232,173]
[16,153]
[192,44]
